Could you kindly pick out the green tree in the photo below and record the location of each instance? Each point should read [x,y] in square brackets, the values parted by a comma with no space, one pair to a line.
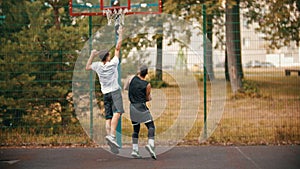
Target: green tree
[192,9]
[56,5]
[37,65]
[16,81]
[15,17]
[278,20]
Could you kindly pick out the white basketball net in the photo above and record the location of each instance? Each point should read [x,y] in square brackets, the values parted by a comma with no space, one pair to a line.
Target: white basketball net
[116,16]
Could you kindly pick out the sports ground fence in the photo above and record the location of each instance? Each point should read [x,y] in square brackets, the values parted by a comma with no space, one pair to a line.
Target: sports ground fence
[46,94]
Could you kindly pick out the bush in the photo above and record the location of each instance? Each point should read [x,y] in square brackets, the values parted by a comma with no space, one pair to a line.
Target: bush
[250,90]
[155,83]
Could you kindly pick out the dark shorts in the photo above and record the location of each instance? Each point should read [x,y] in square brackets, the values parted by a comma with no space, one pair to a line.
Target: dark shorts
[139,113]
[113,103]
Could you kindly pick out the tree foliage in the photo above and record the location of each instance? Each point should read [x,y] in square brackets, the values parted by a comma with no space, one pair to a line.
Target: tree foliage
[39,39]
[279,21]
[37,59]
[216,23]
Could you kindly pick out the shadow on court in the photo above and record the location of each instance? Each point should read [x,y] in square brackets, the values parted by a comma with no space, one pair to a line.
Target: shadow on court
[192,157]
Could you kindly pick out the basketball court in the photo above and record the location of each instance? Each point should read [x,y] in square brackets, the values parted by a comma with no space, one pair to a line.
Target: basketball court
[206,157]
[168,157]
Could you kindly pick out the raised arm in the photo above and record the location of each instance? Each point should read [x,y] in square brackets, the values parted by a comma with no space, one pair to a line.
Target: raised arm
[89,62]
[119,43]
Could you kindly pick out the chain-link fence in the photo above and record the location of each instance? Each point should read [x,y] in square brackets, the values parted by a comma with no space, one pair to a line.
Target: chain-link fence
[47,96]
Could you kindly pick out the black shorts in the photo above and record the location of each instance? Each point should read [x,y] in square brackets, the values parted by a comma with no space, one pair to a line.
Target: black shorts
[113,103]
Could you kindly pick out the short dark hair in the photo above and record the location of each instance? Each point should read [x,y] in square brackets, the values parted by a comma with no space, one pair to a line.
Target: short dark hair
[143,70]
[103,54]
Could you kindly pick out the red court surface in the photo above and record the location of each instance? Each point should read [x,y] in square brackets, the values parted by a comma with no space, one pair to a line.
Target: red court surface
[192,157]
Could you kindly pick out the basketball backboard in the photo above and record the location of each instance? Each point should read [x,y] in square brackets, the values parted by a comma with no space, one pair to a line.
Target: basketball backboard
[98,7]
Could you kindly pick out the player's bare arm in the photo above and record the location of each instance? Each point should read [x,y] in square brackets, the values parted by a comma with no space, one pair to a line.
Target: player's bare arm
[148,92]
[119,43]
[89,62]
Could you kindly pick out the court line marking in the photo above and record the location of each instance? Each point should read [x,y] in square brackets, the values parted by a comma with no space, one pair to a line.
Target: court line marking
[10,162]
[248,158]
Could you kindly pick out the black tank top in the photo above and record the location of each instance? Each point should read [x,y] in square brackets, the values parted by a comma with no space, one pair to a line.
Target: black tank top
[137,90]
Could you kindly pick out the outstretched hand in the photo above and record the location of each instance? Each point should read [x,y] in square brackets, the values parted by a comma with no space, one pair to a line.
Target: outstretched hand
[120,30]
[94,52]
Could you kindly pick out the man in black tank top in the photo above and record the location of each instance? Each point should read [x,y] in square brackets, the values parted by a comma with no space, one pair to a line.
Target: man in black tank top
[139,93]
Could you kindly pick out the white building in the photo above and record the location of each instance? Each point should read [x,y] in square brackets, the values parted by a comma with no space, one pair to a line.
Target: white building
[254,47]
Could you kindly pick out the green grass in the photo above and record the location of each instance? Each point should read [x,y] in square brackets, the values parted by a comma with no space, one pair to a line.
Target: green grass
[18,137]
[271,118]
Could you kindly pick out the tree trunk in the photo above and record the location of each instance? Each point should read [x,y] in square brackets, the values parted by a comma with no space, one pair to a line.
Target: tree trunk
[56,17]
[55,4]
[233,48]
[159,46]
[209,55]
[226,67]
[158,71]
[237,37]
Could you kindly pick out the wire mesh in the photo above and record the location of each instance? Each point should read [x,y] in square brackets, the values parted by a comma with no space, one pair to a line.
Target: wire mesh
[38,67]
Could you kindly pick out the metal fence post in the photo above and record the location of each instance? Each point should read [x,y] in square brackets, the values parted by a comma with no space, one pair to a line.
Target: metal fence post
[119,126]
[91,80]
[204,66]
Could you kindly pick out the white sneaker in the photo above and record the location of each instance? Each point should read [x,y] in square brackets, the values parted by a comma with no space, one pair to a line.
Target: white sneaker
[135,154]
[112,140]
[150,149]
[113,148]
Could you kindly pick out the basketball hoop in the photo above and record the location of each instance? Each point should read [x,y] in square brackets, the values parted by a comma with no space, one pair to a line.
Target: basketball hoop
[111,8]
[115,15]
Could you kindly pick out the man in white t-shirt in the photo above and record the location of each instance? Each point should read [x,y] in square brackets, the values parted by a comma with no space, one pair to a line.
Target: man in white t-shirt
[107,71]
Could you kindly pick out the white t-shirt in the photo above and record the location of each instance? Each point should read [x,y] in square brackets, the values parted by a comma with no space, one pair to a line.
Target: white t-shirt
[108,75]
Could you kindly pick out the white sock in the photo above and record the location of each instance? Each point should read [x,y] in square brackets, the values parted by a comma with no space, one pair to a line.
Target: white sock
[135,147]
[151,142]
